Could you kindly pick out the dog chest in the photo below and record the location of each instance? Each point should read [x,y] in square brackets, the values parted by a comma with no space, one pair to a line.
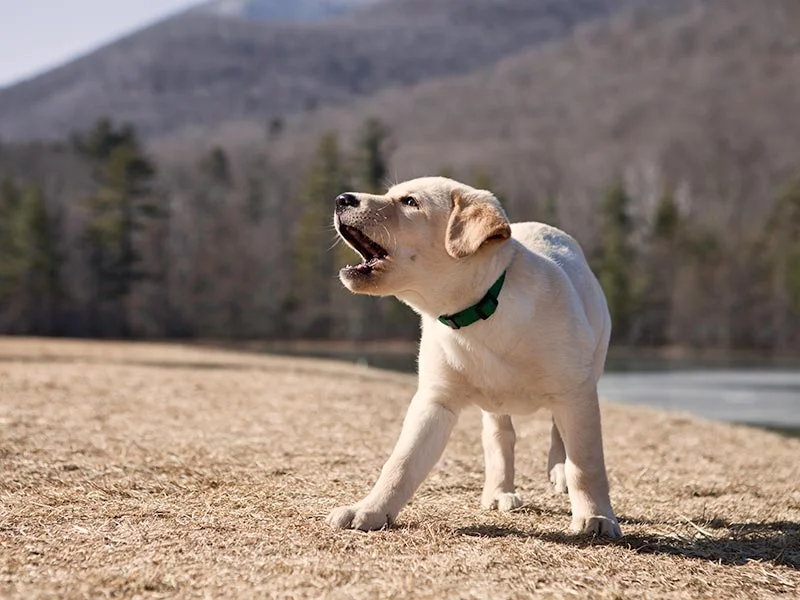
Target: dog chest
[502,384]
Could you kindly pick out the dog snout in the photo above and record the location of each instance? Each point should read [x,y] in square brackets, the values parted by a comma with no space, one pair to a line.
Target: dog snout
[344,201]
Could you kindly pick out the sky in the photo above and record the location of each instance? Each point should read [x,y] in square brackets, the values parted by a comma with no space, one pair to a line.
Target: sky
[37,35]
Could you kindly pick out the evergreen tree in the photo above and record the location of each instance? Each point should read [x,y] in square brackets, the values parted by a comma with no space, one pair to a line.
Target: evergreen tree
[367,316]
[617,260]
[372,156]
[667,222]
[12,260]
[783,242]
[217,167]
[42,259]
[29,260]
[213,253]
[662,261]
[312,260]
[120,213]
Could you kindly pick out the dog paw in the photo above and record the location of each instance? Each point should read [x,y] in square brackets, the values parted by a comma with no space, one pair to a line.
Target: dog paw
[502,501]
[596,525]
[358,517]
[558,479]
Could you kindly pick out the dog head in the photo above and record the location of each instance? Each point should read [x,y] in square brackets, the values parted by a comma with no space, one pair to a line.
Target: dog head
[417,235]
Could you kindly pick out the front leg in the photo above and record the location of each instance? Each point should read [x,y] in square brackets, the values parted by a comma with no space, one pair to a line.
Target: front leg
[425,432]
[498,451]
[578,420]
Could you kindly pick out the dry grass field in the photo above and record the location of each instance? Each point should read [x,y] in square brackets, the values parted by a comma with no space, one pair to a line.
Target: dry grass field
[157,471]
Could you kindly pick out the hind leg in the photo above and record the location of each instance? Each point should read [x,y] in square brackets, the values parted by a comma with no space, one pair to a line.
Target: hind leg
[555,461]
[498,450]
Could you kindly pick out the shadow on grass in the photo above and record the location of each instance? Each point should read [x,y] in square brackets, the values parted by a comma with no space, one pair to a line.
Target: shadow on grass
[778,542]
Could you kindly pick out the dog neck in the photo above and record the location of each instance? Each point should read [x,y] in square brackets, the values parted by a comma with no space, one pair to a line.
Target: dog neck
[448,293]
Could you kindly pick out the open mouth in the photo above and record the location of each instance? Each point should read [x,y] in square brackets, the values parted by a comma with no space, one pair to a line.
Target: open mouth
[371,252]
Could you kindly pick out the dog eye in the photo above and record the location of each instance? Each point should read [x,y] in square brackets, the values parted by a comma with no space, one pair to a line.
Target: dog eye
[409,201]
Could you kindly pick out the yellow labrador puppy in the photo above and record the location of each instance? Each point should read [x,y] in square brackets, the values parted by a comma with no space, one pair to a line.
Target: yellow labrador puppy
[513,320]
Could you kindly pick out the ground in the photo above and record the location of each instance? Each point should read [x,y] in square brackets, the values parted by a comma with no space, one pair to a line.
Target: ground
[155,471]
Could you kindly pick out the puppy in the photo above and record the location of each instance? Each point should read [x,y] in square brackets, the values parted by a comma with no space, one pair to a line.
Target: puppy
[513,320]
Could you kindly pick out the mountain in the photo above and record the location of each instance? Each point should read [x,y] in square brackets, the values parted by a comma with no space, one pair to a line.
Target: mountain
[281,10]
[200,68]
[704,95]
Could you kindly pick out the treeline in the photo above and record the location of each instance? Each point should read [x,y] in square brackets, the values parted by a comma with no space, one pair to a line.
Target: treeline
[98,238]
[673,281]
[121,247]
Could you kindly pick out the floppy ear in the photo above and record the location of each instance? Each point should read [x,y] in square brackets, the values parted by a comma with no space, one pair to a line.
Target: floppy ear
[476,219]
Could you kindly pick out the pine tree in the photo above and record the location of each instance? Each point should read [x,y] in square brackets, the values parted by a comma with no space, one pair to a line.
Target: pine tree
[667,222]
[42,259]
[313,262]
[217,167]
[365,314]
[372,156]
[30,261]
[783,241]
[662,257]
[12,261]
[120,213]
[616,260]
[212,252]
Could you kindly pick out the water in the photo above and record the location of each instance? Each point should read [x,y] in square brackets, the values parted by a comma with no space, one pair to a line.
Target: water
[756,396]
[763,394]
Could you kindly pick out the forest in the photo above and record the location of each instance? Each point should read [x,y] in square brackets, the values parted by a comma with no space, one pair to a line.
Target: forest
[101,238]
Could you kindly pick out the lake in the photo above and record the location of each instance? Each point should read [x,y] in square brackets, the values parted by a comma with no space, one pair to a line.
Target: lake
[754,392]
[769,398]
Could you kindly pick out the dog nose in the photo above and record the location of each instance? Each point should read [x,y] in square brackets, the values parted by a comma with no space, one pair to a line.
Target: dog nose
[346,201]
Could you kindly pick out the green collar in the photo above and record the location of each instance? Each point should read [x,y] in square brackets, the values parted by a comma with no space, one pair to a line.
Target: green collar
[481,311]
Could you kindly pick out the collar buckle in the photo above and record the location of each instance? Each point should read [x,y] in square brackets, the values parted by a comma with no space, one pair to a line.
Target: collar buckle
[487,307]
[450,322]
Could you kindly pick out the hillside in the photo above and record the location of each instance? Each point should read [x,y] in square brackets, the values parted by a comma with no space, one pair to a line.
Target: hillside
[198,68]
[661,99]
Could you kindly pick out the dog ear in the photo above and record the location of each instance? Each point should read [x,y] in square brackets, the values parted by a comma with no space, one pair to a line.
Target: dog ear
[476,219]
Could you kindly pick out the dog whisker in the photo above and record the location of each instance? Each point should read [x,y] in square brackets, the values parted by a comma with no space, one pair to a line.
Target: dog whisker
[392,239]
